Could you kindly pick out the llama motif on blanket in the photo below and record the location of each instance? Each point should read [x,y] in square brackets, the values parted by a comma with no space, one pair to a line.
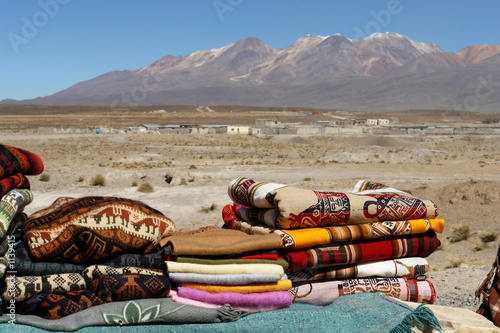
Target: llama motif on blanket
[288,207]
[88,229]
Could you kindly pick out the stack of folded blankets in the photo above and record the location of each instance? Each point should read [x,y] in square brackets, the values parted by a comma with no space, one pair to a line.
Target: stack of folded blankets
[15,194]
[373,239]
[211,267]
[83,252]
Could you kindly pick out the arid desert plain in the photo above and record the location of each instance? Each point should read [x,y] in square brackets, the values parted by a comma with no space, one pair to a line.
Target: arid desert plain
[460,173]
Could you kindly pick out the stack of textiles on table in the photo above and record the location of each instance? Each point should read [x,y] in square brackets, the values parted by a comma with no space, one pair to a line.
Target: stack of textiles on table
[79,253]
[16,165]
[211,267]
[373,239]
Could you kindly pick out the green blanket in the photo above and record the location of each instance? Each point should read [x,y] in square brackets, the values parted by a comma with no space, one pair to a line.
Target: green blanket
[369,312]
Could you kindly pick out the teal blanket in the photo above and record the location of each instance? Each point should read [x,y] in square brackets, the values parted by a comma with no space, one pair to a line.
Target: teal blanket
[368,312]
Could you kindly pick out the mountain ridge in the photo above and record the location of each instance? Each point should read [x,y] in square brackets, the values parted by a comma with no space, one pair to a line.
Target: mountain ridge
[382,72]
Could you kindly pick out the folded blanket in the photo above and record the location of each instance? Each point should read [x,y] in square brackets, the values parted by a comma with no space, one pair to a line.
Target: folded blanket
[124,287]
[11,204]
[211,241]
[20,288]
[280,285]
[180,267]
[225,279]
[138,312]
[410,268]
[324,293]
[108,288]
[15,160]
[275,298]
[89,229]
[24,265]
[421,245]
[240,218]
[287,207]
[19,181]
[13,234]
[194,260]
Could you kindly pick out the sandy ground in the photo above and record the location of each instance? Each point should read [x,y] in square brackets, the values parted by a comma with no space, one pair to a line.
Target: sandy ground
[459,173]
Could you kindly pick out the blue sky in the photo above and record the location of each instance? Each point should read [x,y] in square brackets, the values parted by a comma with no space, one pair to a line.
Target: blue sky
[49,45]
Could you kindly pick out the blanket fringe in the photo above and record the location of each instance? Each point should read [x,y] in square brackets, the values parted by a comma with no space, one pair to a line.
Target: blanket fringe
[423,318]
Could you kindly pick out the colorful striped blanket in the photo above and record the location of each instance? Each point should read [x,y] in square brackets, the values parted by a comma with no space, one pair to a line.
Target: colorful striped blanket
[240,218]
[421,245]
[287,207]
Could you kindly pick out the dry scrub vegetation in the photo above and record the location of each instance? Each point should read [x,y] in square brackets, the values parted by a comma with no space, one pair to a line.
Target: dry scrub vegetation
[186,176]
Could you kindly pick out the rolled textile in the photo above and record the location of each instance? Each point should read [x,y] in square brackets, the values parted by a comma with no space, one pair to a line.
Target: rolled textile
[11,204]
[19,181]
[20,288]
[287,207]
[411,268]
[326,292]
[280,285]
[225,279]
[275,298]
[108,288]
[88,229]
[241,218]
[211,241]
[137,312]
[421,245]
[16,160]
[180,267]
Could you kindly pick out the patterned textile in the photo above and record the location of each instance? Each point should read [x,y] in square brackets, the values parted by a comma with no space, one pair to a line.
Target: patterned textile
[211,241]
[421,245]
[411,268]
[11,204]
[324,293]
[20,288]
[489,293]
[54,306]
[89,229]
[240,218]
[180,267]
[13,234]
[108,288]
[124,287]
[137,312]
[280,285]
[287,207]
[225,279]
[96,271]
[15,160]
[276,298]
[15,181]
[24,265]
